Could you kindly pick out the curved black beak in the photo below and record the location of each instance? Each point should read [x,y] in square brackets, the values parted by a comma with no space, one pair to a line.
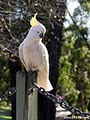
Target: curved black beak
[41,35]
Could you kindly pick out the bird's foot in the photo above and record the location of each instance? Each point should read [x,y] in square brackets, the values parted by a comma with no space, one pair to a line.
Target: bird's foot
[32,75]
[29,72]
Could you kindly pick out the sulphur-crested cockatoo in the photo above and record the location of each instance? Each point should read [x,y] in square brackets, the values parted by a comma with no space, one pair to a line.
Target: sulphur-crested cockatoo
[34,55]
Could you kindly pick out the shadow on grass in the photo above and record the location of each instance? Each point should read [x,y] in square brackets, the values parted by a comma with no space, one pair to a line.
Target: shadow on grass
[2,117]
[5,113]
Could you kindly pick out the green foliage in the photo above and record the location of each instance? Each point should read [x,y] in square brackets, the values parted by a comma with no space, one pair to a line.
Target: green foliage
[4,73]
[74,69]
[66,71]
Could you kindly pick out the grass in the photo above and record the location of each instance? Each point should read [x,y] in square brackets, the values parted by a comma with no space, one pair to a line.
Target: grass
[5,112]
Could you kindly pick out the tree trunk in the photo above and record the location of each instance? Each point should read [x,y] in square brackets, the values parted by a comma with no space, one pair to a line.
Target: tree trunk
[80,101]
[14,66]
[46,107]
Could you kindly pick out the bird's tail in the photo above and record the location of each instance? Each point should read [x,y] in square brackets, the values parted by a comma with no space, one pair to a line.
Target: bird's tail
[43,81]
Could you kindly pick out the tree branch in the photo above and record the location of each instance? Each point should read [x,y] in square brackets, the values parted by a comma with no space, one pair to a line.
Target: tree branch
[7,12]
[4,49]
[80,31]
[7,28]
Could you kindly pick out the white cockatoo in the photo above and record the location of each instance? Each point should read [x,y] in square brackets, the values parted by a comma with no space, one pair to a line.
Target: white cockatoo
[34,55]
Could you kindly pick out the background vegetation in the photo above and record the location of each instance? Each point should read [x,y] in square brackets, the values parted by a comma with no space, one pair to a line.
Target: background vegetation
[74,71]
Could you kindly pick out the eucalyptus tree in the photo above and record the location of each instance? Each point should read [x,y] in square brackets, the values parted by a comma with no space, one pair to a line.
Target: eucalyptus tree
[75,58]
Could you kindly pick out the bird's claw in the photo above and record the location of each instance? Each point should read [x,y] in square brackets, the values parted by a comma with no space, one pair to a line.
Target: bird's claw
[30,72]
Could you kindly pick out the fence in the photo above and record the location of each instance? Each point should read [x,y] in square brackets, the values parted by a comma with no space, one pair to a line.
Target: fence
[27,100]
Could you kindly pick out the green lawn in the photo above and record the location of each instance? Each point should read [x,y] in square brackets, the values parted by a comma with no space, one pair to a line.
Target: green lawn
[5,112]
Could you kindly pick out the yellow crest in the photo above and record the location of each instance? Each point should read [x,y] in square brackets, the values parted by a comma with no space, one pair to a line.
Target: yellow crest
[34,21]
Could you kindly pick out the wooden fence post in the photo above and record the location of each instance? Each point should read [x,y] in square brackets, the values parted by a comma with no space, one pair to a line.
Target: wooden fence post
[20,96]
[32,99]
[26,110]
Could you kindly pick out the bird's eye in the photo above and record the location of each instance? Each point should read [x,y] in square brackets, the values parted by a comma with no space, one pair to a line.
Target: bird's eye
[37,31]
